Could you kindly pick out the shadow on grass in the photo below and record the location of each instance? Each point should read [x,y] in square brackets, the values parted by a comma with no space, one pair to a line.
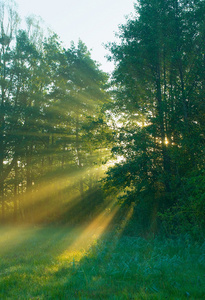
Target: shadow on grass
[133,268]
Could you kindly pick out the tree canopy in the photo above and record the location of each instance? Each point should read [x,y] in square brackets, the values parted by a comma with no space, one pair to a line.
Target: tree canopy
[159,90]
[50,108]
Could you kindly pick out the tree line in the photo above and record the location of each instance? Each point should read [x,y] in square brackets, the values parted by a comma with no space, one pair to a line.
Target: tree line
[57,109]
[51,125]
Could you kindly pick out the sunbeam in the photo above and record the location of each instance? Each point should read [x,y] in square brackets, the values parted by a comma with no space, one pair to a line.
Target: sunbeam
[46,198]
[92,232]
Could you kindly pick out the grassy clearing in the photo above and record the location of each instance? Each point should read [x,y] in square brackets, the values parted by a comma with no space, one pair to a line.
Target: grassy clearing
[54,263]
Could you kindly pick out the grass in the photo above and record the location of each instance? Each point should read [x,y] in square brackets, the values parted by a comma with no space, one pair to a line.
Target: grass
[54,263]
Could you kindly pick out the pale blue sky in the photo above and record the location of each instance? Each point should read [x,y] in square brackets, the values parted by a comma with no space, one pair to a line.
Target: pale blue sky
[93,21]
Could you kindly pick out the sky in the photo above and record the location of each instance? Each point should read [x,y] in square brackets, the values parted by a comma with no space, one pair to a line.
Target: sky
[93,21]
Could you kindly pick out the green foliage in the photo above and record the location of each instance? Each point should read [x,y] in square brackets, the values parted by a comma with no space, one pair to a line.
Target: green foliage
[51,125]
[158,91]
[187,215]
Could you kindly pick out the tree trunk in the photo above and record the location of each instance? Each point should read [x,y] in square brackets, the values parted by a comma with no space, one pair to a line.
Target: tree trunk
[2,124]
[15,191]
[1,171]
[81,186]
[165,155]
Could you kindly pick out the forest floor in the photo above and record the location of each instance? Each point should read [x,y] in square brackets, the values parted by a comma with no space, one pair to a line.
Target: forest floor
[65,263]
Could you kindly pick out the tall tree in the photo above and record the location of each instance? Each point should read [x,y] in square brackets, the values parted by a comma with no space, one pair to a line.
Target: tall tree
[48,96]
[8,23]
[159,83]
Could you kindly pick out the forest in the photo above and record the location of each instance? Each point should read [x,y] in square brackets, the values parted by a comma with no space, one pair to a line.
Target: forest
[122,154]
[63,122]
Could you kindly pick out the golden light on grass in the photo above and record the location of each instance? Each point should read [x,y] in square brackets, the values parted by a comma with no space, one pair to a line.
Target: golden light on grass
[45,199]
[77,250]
[92,232]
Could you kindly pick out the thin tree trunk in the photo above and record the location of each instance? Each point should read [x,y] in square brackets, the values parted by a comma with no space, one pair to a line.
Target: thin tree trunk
[79,157]
[2,124]
[15,191]
[180,67]
[165,155]
[1,173]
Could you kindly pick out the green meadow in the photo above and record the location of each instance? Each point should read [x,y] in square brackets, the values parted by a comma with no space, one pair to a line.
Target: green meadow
[72,263]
